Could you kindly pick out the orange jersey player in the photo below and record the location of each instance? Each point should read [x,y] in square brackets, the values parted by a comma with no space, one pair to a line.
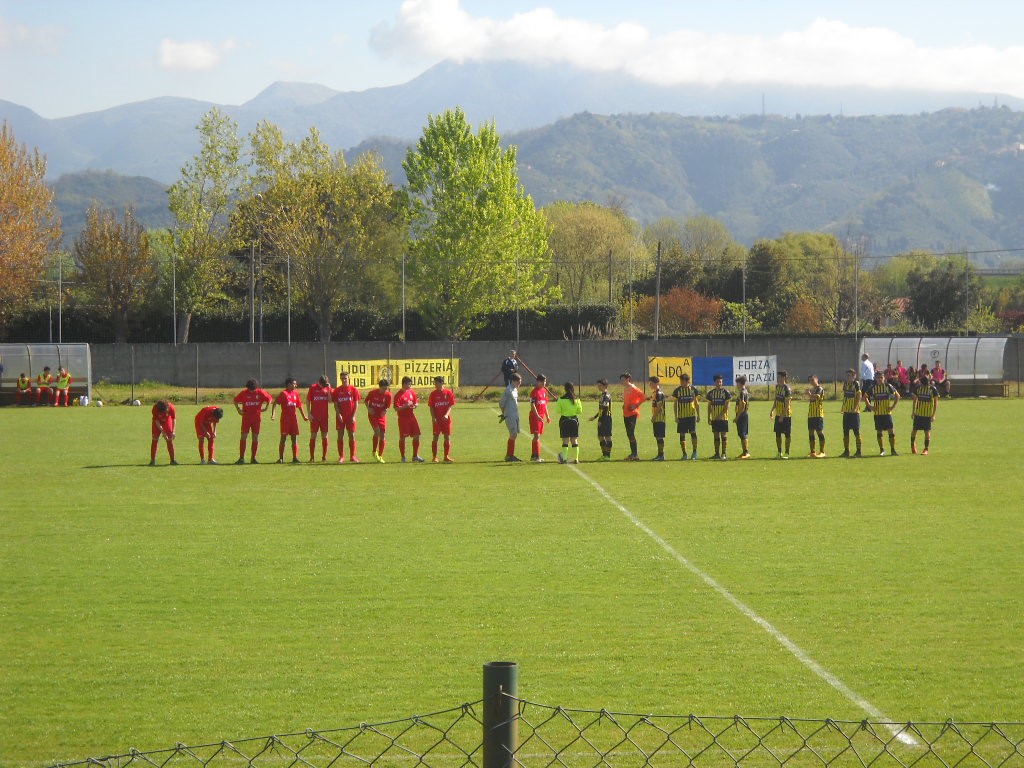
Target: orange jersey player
[206,431]
[251,403]
[318,400]
[162,426]
[440,403]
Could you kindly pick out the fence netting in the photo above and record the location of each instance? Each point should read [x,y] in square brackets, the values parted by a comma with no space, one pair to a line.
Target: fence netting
[558,737]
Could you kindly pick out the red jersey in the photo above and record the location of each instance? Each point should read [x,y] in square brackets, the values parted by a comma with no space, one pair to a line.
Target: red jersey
[377,404]
[440,402]
[346,400]
[166,418]
[539,400]
[319,400]
[205,420]
[403,400]
[289,401]
[252,402]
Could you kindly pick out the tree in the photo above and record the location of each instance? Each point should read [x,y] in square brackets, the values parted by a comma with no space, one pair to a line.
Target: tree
[201,201]
[944,293]
[29,228]
[116,270]
[591,246]
[479,244]
[335,227]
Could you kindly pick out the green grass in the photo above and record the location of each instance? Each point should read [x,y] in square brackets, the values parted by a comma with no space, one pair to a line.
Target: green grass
[142,606]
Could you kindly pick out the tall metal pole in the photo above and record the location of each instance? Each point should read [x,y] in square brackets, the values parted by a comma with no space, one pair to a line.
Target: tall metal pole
[60,299]
[516,288]
[403,297]
[174,294]
[261,292]
[288,269]
[252,292]
[609,275]
[657,294]
[500,715]
[744,279]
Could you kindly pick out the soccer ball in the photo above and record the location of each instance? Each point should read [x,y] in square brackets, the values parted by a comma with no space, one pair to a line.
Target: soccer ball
[136,402]
[99,403]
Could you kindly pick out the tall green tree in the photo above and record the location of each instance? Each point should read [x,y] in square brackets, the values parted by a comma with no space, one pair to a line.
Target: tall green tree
[944,293]
[590,244]
[116,271]
[202,201]
[336,228]
[478,242]
[29,227]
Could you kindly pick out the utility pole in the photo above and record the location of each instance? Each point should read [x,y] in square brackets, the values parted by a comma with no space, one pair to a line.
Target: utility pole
[657,294]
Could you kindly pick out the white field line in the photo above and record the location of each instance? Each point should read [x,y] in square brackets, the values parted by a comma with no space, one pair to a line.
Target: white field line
[801,655]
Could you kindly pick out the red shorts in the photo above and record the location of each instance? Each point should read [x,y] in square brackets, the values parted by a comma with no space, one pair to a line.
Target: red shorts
[408,426]
[442,426]
[348,422]
[536,425]
[250,425]
[289,426]
[202,431]
[378,424]
[318,425]
[161,429]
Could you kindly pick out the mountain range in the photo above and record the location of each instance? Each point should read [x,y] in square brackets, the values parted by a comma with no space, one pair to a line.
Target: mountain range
[903,168]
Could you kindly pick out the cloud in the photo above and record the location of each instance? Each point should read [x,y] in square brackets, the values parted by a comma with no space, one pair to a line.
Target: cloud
[193,55]
[14,35]
[825,53]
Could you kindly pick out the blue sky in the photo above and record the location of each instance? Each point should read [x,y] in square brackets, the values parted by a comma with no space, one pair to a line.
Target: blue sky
[64,57]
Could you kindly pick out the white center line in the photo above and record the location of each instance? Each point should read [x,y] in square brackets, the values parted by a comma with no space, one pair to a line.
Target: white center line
[801,655]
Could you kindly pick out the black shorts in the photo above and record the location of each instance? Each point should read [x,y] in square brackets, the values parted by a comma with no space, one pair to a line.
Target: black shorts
[923,423]
[686,424]
[743,425]
[630,423]
[783,425]
[604,426]
[720,425]
[659,430]
[815,423]
[851,421]
[883,423]
[568,426]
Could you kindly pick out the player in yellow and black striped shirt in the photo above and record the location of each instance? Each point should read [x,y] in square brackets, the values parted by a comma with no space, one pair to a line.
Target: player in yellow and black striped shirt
[718,415]
[658,408]
[687,412]
[815,416]
[604,419]
[883,398]
[851,412]
[782,412]
[926,403]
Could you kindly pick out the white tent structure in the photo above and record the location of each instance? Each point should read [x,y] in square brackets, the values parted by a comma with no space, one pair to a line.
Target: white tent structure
[972,363]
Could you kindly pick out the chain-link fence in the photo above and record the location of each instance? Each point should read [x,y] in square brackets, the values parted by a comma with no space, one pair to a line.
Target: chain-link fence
[558,737]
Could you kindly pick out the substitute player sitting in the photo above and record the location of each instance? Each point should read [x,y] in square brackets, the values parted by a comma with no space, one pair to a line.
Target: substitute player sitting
[290,402]
[23,393]
[318,400]
[378,401]
[346,400]
[405,403]
[250,403]
[162,426]
[206,432]
[440,403]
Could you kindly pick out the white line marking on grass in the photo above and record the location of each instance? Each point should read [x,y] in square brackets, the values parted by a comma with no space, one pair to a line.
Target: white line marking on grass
[801,655]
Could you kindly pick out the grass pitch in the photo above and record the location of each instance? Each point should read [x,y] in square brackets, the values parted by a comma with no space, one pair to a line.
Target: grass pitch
[142,606]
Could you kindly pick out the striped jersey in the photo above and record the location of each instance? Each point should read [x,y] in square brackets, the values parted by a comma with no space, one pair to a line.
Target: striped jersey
[604,405]
[742,401]
[883,398]
[783,405]
[718,403]
[926,399]
[816,402]
[851,396]
[687,401]
[658,406]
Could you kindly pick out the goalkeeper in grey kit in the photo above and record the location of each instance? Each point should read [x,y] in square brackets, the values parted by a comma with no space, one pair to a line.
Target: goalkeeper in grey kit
[510,414]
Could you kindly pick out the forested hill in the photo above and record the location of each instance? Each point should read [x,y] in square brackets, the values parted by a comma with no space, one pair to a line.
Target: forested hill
[943,181]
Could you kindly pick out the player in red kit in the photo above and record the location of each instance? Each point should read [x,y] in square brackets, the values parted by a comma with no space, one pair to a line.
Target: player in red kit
[440,403]
[346,400]
[408,426]
[377,403]
[206,431]
[290,402]
[538,415]
[163,426]
[318,400]
[250,403]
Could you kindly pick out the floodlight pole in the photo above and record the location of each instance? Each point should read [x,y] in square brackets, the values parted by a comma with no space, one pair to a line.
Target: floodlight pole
[252,292]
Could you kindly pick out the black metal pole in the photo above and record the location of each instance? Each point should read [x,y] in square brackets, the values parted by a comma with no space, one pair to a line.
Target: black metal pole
[500,720]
